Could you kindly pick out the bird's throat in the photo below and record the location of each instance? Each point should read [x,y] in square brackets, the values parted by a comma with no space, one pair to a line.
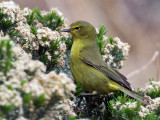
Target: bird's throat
[76,48]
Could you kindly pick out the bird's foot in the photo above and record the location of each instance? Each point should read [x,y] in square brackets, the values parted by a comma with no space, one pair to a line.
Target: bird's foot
[88,94]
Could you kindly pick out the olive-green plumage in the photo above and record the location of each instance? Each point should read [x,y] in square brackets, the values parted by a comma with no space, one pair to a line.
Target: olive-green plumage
[88,67]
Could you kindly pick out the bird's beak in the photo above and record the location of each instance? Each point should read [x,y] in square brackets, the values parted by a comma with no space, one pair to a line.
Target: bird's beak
[66,30]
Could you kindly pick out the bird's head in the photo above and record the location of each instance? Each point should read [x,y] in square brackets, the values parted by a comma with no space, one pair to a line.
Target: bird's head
[81,30]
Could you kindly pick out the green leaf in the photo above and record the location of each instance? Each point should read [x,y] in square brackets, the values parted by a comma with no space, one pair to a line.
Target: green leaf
[30,17]
[72,117]
[138,107]
[111,41]
[100,41]
[79,89]
[38,102]
[23,82]
[33,30]
[6,109]
[27,97]
[10,87]
[5,56]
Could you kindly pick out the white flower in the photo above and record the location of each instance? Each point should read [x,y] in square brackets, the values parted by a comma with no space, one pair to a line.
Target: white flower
[141,114]
[118,103]
[17,101]
[57,11]
[26,11]
[62,47]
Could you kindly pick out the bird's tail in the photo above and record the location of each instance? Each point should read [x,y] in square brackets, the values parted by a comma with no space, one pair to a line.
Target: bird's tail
[135,95]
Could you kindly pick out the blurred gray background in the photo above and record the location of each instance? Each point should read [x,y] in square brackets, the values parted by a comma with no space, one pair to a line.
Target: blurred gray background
[136,22]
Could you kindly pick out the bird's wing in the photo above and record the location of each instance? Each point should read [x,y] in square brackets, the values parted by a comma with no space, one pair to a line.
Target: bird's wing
[93,58]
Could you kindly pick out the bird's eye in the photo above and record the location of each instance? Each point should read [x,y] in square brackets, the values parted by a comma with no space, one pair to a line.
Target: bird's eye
[77,28]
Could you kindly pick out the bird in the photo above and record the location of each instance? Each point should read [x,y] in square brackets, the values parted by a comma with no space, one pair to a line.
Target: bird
[88,67]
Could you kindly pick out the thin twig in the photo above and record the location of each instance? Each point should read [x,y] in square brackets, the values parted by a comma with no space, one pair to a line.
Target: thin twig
[158,63]
[145,66]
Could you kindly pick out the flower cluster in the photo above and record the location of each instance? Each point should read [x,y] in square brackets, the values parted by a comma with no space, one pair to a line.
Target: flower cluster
[36,32]
[152,85]
[115,52]
[140,111]
[63,108]
[152,89]
[8,96]
[10,9]
[27,83]
[131,105]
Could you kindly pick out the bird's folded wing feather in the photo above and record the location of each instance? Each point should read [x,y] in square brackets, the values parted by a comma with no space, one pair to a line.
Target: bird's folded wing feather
[94,59]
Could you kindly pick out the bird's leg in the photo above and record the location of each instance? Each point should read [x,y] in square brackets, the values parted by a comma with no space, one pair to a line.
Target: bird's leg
[94,93]
[88,94]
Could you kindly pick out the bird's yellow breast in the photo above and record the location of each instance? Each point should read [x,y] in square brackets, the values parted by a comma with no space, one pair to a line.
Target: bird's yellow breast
[90,78]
